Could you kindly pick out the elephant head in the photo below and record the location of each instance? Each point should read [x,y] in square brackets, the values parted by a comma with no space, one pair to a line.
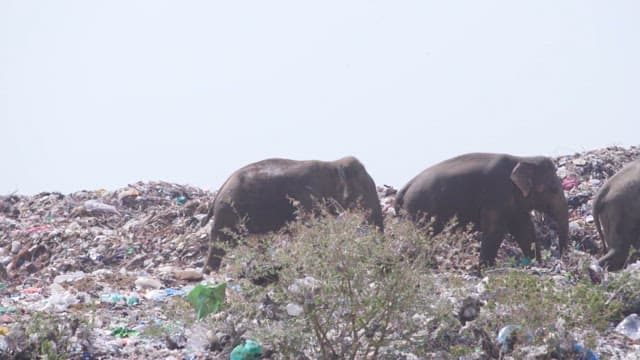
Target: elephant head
[541,189]
[357,188]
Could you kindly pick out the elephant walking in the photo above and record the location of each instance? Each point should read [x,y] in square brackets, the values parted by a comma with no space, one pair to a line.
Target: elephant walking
[494,192]
[616,213]
[261,194]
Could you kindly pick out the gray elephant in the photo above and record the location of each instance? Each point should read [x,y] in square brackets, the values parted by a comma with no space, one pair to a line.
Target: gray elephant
[494,192]
[262,193]
[616,214]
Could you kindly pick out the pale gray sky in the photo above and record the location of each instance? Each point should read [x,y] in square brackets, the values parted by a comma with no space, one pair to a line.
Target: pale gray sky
[99,94]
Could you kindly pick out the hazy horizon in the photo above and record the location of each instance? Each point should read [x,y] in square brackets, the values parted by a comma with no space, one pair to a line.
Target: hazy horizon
[100,95]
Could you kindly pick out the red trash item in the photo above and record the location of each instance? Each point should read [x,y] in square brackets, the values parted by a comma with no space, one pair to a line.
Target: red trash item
[570,182]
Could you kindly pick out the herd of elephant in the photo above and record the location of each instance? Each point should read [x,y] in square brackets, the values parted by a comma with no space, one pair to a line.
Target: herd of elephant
[493,192]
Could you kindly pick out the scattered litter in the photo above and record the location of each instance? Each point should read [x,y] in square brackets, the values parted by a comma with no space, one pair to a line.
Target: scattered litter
[74,276]
[509,335]
[93,207]
[83,252]
[630,327]
[124,332]
[250,350]
[116,298]
[60,299]
[207,299]
[148,283]
[586,353]
[188,274]
[294,309]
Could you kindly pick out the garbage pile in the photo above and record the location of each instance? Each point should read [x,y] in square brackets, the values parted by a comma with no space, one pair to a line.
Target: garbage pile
[582,175]
[141,226]
[142,243]
[121,256]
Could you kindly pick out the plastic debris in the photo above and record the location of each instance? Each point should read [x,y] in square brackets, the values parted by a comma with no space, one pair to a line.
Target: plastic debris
[586,353]
[112,298]
[118,298]
[250,350]
[133,300]
[60,299]
[73,276]
[4,331]
[188,274]
[294,309]
[123,331]
[570,182]
[148,283]
[469,310]
[630,327]
[94,207]
[525,261]
[207,299]
[509,335]
[162,295]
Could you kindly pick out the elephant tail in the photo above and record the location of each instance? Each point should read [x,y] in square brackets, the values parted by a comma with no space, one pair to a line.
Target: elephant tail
[595,212]
[399,200]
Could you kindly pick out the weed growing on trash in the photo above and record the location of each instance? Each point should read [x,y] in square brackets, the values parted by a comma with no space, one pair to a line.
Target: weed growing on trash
[46,336]
[344,291]
[348,291]
[363,284]
[536,303]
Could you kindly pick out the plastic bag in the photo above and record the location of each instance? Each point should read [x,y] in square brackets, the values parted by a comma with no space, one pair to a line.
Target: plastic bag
[248,351]
[207,299]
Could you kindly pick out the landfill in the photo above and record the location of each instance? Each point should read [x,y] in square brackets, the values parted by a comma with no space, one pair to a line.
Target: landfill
[106,266]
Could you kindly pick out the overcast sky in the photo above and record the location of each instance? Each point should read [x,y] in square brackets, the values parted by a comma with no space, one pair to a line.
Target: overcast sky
[100,94]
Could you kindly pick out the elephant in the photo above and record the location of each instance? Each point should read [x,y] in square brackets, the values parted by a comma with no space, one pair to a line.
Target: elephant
[616,215]
[262,195]
[493,192]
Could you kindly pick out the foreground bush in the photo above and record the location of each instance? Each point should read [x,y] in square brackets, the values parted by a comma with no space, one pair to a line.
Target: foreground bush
[332,288]
[349,289]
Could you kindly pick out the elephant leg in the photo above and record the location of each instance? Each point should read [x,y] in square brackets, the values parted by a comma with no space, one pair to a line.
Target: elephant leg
[524,233]
[493,231]
[224,220]
[619,235]
[214,258]
[615,258]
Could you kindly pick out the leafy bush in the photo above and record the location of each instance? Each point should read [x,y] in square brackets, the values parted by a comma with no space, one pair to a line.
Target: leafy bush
[354,293]
[354,286]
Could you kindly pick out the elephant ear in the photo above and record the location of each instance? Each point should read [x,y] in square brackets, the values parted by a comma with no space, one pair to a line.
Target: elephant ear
[522,176]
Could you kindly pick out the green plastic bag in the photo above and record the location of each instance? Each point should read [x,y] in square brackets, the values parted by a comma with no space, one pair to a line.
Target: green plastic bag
[124,332]
[250,350]
[207,299]
[526,261]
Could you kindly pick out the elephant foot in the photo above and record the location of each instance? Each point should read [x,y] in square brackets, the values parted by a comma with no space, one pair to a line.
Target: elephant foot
[214,260]
[614,260]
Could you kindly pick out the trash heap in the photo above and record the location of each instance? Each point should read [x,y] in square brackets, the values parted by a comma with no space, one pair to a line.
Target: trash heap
[125,258]
[582,175]
[116,249]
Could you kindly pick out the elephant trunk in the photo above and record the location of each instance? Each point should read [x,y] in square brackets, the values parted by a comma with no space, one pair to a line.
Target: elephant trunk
[376,215]
[559,211]
[370,203]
